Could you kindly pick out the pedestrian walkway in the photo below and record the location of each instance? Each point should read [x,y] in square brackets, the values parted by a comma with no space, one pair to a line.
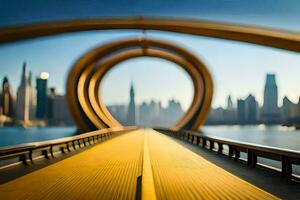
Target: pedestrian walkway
[118,168]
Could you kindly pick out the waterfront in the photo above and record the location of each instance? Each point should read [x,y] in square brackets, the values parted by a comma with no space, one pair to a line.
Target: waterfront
[274,136]
[17,135]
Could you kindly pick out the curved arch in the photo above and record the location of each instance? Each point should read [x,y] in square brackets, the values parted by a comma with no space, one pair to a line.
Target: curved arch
[99,74]
[261,36]
[87,73]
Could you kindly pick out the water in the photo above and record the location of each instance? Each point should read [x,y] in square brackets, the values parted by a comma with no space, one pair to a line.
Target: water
[17,135]
[274,136]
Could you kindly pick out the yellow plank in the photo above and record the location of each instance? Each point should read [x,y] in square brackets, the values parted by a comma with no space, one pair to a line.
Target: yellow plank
[110,170]
[181,174]
[148,188]
[107,171]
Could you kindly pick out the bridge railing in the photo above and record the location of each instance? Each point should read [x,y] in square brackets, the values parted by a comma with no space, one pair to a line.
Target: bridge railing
[27,153]
[287,157]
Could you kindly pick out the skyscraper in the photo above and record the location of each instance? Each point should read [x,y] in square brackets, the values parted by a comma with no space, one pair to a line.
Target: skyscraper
[270,111]
[50,103]
[57,112]
[131,108]
[241,111]
[32,98]
[144,117]
[290,110]
[153,114]
[7,103]
[173,112]
[25,98]
[41,87]
[229,114]
[119,112]
[251,109]
[229,103]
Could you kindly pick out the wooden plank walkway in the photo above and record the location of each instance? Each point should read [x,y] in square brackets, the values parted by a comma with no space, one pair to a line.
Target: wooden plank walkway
[110,170]
[106,171]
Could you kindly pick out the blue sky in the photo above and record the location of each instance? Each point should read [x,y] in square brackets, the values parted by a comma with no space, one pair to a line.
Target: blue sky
[237,68]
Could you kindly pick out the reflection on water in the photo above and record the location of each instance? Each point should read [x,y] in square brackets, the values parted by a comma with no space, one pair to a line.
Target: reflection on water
[276,136]
[16,135]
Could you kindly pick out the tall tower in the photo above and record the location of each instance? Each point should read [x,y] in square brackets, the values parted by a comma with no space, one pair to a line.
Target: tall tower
[25,104]
[251,109]
[241,111]
[270,111]
[7,99]
[22,105]
[41,87]
[229,103]
[32,97]
[131,107]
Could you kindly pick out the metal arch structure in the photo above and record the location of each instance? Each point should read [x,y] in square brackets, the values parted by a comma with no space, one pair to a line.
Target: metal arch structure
[86,75]
[255,35]
[250,34]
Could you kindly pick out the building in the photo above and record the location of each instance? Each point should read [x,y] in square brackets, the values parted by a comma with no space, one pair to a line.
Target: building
[173,112]
[32,98]
[222,115]
[6,99]
[216,116]
[151,114]
[270,111]
[289,111]
[144,115]
[230,112]
[251,107]
[131,116]
[26,98]
[50,101]
[147,114]
[119,112]
[41,88]
[241,111]
[58,112]
[229,103]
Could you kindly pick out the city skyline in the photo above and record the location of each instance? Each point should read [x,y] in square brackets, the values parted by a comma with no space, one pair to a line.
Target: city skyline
[248,111]
[32,105]
[248,69]
[149,113]
[37,107]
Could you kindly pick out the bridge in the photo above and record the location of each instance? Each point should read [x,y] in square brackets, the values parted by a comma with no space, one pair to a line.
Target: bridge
[134,164]
[109,161]
[139,164]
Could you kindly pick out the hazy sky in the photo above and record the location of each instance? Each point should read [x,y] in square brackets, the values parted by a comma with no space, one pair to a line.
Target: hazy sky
[238,68]
[153,78]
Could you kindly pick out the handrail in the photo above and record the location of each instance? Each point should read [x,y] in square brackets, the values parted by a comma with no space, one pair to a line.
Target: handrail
[283,151]
[25,151]
[287,157]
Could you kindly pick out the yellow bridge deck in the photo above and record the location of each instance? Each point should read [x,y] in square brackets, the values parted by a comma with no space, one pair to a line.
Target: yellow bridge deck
[110,170]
